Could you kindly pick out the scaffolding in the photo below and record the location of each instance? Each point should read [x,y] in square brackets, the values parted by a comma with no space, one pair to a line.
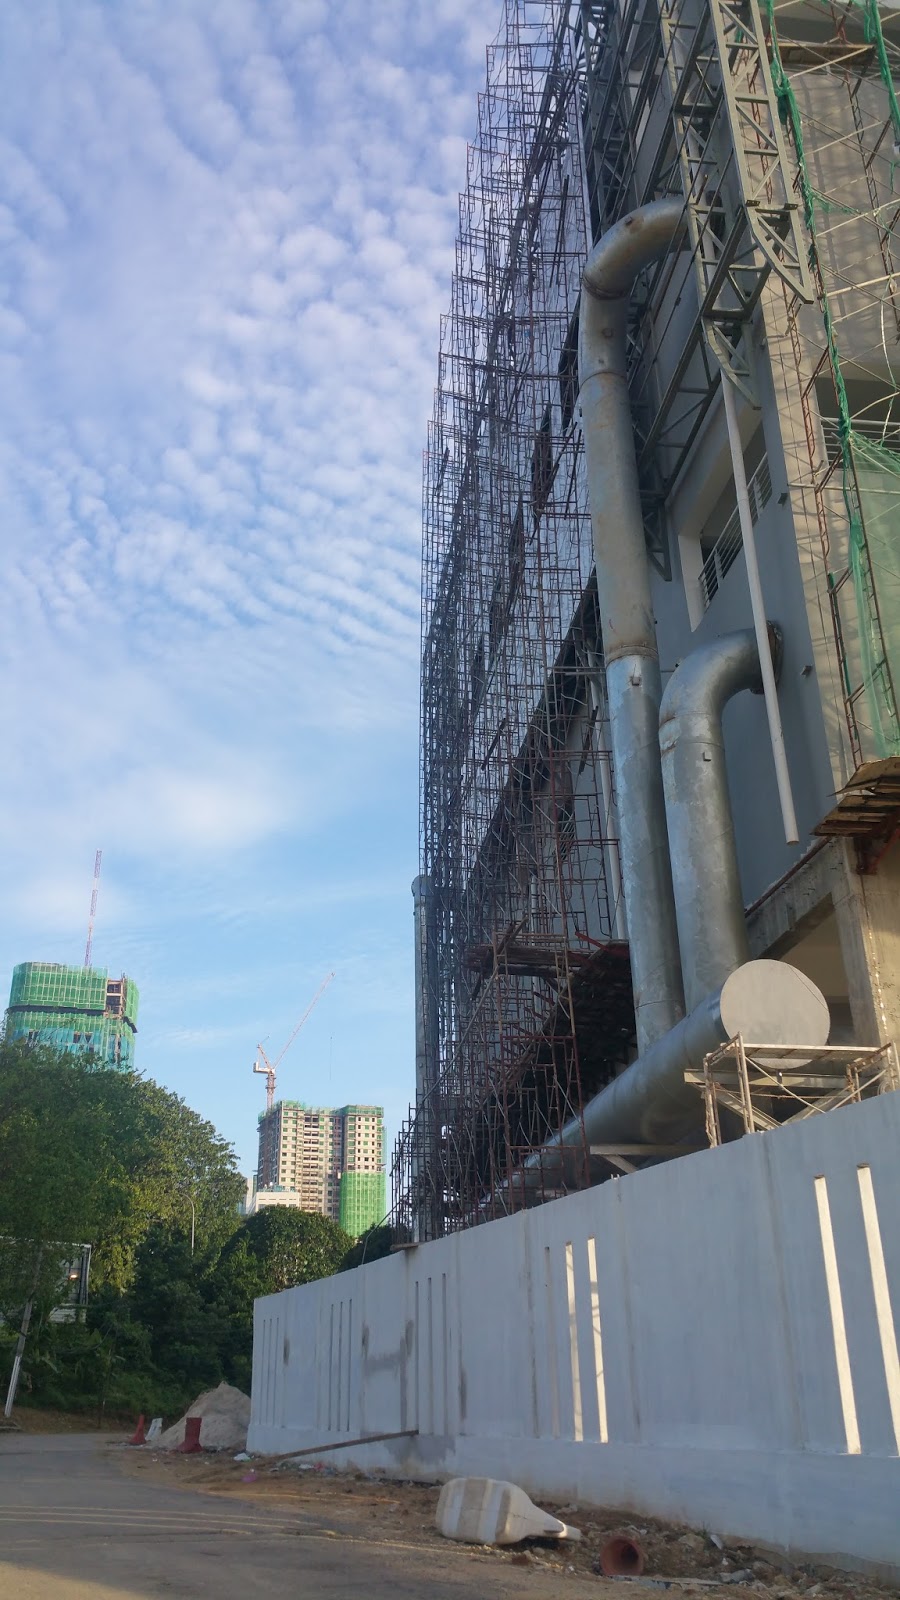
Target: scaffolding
[533,1005]
[767,1086]
[835,68]
[778,126]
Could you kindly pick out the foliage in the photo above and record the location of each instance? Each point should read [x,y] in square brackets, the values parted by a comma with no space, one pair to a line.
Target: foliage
[276,1249]
[91,1155]
[280,1247]
[376,1242]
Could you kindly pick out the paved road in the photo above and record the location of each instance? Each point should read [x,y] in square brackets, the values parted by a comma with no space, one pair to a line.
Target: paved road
[73,1526]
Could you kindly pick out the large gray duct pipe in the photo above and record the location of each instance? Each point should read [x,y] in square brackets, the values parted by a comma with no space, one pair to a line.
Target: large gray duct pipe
[623,586]
[767,1002]
[712,931]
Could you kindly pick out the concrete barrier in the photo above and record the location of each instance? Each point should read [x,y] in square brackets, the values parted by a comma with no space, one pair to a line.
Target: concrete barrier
[712,1341]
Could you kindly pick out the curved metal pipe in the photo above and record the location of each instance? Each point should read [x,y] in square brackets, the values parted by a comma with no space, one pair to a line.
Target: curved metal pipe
[633,681]
[712,932]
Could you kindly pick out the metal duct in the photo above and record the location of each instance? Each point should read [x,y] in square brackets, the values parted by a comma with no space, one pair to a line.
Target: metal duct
[712,931]
[765,1001]
[623,585]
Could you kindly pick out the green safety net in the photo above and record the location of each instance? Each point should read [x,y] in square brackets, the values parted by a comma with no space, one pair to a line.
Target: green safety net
[871,472]
[875,571]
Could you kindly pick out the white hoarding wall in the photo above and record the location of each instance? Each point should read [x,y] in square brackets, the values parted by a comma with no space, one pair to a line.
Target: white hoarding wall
[712,1341]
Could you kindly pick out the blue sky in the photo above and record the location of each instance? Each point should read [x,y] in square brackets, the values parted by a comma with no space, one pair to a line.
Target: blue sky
[227,235]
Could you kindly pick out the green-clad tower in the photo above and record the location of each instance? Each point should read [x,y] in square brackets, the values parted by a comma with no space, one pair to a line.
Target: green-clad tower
[79,1009]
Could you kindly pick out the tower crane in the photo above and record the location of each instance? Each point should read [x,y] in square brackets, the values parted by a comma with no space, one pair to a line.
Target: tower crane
[263,1065]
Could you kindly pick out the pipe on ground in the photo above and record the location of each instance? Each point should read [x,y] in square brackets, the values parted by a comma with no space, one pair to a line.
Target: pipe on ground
[623,586]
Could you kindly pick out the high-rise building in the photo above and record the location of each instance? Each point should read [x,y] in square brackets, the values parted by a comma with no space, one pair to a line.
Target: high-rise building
[78,1009]
[681,473]
[332,1160]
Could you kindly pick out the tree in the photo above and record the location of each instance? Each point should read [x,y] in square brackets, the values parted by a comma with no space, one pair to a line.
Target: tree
[91,1155]
[276,1249]
[72,1135]
[376,1242]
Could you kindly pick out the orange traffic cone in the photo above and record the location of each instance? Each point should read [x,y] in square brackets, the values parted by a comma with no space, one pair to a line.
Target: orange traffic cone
[191,1436]
[139,1436]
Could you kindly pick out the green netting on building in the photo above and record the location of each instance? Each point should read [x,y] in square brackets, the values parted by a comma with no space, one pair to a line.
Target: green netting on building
[362,1202]
[875,569]
[76,1009]
[870,470]
[42,983]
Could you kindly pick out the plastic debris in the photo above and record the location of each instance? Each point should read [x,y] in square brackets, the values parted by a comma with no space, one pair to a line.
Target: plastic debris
[490,1511]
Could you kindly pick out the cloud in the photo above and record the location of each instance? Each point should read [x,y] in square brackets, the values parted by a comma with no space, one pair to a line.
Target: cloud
[228,238]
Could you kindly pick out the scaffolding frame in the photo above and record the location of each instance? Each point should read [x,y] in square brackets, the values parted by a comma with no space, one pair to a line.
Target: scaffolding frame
[767,1086]
[592,108]
[533,1005]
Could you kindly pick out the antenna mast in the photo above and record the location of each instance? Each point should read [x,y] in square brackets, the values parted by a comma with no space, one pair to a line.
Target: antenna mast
[90,938]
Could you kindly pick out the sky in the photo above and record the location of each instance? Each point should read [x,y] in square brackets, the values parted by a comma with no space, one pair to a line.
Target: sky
[227,237]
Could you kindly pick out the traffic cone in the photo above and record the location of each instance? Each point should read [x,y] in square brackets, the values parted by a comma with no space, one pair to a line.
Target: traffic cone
[191,1436]
[139,1436]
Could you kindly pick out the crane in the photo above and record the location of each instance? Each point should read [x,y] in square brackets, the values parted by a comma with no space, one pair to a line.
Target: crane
[90,938]
[263,1065]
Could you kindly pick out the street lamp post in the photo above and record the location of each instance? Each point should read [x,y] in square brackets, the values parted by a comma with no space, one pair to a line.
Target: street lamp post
[193,1220]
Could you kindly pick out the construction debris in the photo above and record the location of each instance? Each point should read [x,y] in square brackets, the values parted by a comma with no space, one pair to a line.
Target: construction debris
[226,1417]
[679,1560]
[490,1511]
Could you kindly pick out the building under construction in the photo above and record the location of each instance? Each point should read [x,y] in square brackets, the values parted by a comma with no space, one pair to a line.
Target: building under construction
[81,1010]
[659,779]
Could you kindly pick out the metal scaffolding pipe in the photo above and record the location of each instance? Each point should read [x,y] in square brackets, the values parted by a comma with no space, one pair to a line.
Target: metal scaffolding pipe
[712,930]
[758,608]
[633,680]
[426,1021]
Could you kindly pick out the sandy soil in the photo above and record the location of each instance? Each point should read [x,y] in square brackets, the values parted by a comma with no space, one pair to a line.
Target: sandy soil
[680,1560]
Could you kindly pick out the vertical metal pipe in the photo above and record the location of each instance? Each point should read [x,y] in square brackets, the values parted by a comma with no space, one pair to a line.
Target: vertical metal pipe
[633,680]
[422,916]
[617,926]
[758,608]
[712,931]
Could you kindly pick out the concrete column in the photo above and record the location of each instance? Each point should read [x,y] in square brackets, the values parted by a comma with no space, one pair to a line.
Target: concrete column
[867,907]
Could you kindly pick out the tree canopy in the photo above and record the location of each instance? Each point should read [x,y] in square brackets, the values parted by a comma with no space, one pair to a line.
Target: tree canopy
[93,1156]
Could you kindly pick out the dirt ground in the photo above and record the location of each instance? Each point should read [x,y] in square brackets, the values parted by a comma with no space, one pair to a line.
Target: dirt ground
[680,1560]
[35,1419]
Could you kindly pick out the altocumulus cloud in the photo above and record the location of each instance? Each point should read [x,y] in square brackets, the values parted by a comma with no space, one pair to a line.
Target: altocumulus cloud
[227,234]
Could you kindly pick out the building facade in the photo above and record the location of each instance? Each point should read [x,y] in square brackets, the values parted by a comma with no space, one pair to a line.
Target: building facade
[559,922]
[331,1161]
[78,1009]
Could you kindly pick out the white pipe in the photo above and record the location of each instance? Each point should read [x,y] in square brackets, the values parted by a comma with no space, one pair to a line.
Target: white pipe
[610,846]
[760,625]
[627,625]
[712,928]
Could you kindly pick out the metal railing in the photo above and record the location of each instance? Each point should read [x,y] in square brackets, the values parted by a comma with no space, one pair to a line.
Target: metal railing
[730,542]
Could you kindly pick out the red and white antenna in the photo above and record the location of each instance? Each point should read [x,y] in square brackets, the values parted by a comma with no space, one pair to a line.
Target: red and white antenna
[96,890]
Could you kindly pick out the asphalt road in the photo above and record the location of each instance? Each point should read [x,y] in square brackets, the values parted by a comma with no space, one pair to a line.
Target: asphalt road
[74,1526]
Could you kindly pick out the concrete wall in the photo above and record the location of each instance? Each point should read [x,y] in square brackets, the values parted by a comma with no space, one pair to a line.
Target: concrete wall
[698,1341]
